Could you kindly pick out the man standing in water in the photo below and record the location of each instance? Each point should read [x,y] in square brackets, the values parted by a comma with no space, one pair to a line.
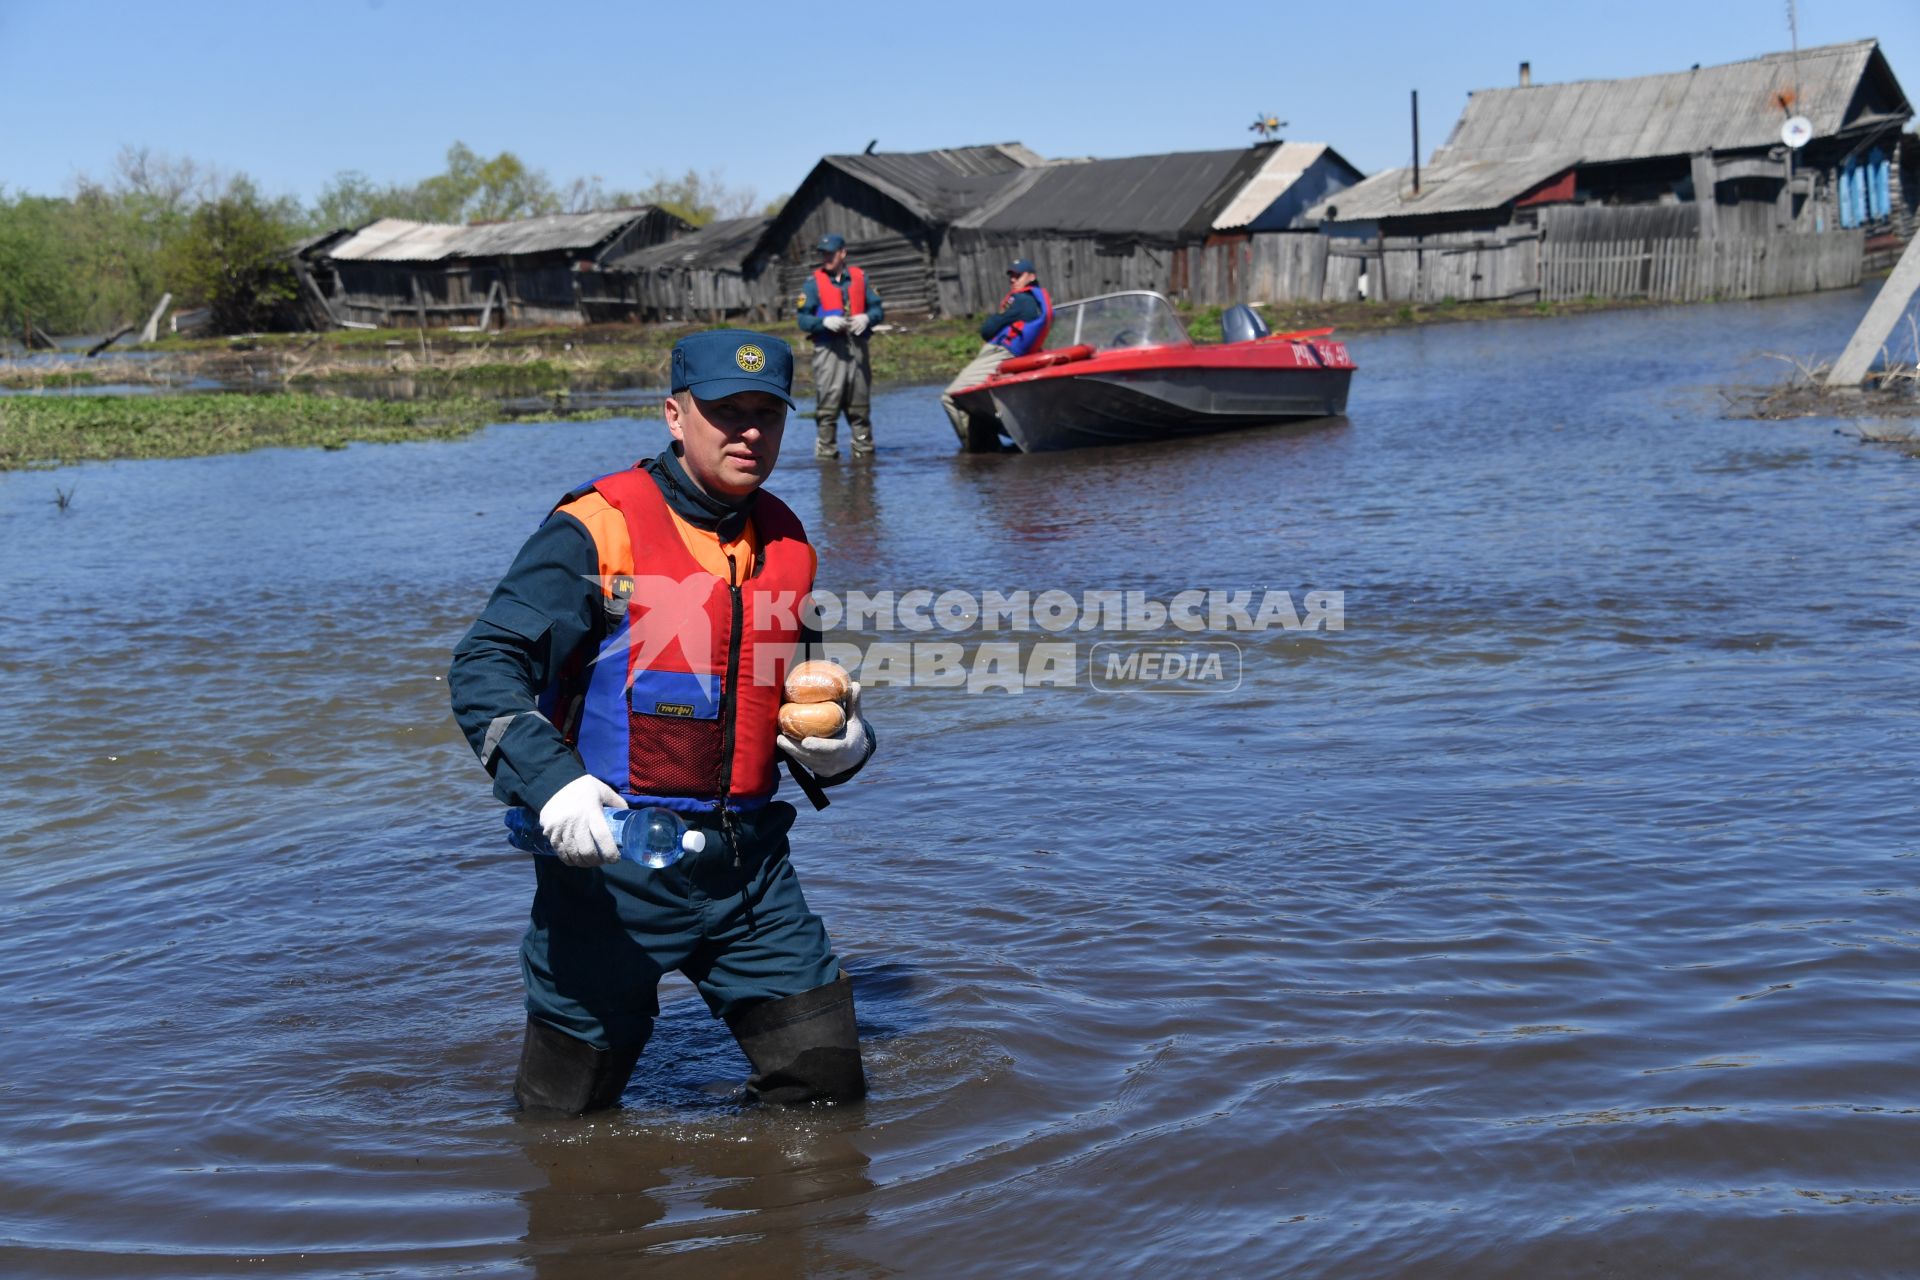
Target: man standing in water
[1019,326]
[838,308]
[631,656]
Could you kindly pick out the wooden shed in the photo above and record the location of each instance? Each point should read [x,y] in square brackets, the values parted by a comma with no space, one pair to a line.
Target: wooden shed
[546,270]
[894,208]
[1095,226]
[709,274]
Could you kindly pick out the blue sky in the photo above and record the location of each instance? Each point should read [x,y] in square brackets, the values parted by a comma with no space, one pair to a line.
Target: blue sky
[292,93]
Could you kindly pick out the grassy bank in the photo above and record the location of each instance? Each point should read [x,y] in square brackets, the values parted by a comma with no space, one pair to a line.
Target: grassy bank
[907,352]
[446,384]
[49,430]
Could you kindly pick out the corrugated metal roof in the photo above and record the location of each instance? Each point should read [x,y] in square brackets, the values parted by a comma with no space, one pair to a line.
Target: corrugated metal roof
[1282,169]
[398,240]
[1725,107]
[1163,195]
[718,245]
[1458,188]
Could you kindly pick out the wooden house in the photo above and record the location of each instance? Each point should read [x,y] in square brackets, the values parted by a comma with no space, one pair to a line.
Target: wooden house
[894,209]
[1096,226]
[546,270]
[1662,140]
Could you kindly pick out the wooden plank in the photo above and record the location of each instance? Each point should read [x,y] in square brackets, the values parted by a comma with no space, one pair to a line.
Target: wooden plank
[109,340]
[1850,370]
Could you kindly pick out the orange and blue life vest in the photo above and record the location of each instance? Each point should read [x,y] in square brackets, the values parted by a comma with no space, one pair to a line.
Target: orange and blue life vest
[1022,336]
[678,707]
[832,303]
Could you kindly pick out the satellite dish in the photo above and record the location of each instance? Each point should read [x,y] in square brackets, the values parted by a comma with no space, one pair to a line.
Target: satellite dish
[1797,132]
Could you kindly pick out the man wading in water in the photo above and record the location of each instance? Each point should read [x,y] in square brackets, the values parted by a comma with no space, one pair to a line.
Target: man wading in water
[633,655]
[837,308]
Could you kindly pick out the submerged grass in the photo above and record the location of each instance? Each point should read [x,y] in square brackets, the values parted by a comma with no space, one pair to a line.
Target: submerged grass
[454,382]
[19,376]
[66,429]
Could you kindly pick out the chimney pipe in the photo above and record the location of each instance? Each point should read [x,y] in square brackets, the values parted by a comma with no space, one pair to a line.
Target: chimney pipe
[1416,142]
[1526,74]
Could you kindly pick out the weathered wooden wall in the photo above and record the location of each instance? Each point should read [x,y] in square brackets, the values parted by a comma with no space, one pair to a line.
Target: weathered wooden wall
[438,295]
[704,294]
[974,267]
[884,239]
[1566,222]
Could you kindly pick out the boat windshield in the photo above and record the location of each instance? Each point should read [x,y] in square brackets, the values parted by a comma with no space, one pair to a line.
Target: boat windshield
[1115,321]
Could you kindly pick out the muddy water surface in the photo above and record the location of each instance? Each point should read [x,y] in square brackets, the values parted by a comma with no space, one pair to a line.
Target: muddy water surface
[1555,917]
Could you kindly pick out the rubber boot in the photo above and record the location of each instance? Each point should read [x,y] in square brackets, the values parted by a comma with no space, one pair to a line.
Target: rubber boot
[824,446]
[564,1075]
[983,434]
[805,1048]
[860,427]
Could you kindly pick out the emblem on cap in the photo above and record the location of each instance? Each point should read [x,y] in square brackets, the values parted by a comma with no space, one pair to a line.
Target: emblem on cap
[750,358]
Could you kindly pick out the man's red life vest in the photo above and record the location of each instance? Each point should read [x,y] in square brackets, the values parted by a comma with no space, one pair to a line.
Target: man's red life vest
[679,706]
[831,301]
[1022,336]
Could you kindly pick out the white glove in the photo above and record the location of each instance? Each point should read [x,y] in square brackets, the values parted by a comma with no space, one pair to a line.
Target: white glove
[828,758]
[574,825]
[859,325]
[834,324]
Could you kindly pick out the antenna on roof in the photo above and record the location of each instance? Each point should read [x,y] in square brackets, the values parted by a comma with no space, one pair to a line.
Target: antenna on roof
[1793,31]
[871,144]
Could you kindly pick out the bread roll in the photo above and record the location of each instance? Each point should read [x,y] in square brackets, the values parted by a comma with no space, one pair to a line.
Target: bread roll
[818,681]
[812,720]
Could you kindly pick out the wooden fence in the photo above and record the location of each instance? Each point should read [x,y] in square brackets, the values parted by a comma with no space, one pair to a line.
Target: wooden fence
[1696,270]
[1511,263]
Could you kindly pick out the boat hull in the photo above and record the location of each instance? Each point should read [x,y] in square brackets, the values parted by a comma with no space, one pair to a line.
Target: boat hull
[1130,397]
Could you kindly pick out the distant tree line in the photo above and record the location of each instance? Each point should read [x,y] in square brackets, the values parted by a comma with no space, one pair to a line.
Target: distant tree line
[103,256]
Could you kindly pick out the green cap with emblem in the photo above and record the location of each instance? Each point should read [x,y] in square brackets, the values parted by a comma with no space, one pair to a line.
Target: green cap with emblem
[726,362]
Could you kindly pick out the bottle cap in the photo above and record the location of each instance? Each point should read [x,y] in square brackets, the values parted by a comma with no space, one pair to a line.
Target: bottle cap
[694,842]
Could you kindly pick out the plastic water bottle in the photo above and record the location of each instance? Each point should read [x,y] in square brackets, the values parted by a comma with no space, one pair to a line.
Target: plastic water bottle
[652,836]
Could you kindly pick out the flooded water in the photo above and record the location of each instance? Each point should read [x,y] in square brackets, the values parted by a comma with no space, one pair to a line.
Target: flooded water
[1555,917]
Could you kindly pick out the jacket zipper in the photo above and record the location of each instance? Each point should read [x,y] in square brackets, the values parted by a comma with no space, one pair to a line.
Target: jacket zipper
[729,705]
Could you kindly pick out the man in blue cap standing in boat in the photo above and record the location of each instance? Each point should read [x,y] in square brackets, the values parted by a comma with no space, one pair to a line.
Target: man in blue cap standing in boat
[837,308]
[634,656]
[1019,326]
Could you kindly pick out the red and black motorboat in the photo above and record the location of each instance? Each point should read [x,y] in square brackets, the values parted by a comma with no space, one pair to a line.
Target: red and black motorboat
[1122,368]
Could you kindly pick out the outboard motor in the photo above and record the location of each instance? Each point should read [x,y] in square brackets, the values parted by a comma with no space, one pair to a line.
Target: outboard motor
[1242,324]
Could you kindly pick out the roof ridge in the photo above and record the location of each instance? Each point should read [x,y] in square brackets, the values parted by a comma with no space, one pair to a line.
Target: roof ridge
[1783,55]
